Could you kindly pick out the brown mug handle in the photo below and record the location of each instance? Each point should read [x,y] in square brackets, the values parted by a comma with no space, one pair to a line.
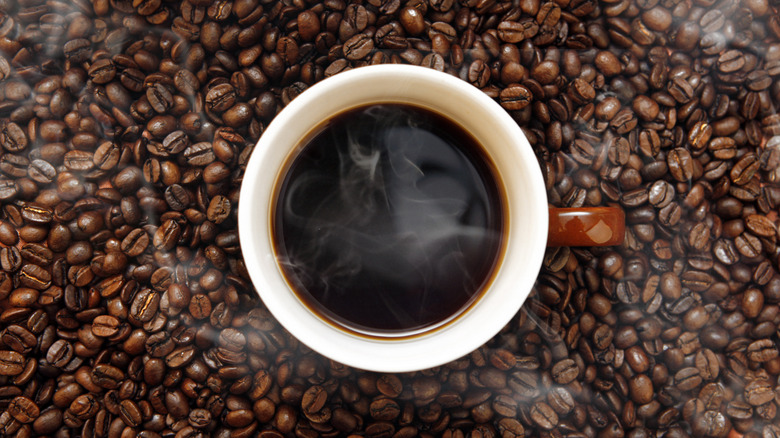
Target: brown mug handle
[587,226]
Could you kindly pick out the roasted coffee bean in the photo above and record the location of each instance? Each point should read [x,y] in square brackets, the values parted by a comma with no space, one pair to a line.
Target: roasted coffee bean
[18,339]
[760,225]
[358,47]
[707,363]
[10,259]
[219,209]
[524,383]
[680,164]
[105,326]
[762,350]
[543,416]
[23,409]
[34,276]
[60,353]
[11,363]
[36,214]
[565,371]
[107,156]
[515,98]
[688,378]
[758,392]
[748,245]
[199,418]
[159,97]
[179,357]
[221,97]
[135,243]
[107,376]
[102,71]
[199,154]
[144,306]
[130,413]
[48,421]
[167,235]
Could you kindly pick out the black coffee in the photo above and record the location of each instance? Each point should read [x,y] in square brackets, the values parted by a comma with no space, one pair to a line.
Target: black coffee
[389,219]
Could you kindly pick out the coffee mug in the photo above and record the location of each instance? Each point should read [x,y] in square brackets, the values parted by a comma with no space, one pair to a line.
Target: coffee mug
[394,218]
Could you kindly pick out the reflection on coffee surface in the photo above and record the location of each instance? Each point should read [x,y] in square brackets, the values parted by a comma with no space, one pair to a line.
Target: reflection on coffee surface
[389,219]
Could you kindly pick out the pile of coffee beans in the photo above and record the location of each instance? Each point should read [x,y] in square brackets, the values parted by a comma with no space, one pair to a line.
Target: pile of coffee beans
[125,307]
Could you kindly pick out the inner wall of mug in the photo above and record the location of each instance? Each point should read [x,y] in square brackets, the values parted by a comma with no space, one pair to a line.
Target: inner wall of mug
[516,166]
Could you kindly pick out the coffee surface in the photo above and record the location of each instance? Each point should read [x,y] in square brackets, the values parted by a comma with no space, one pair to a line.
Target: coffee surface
[389,219]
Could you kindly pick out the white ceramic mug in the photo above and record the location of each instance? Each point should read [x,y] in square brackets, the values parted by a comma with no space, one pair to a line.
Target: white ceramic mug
[518,171]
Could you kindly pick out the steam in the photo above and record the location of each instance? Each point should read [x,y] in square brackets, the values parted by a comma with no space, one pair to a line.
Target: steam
[401,223]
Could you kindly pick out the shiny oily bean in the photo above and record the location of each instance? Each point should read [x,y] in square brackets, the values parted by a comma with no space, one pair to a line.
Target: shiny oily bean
[762,350]
[105,326]
[758,392]
[18,339]
[107,376]
[565,371]
[23,409]
[130,413]
[680,164]
[11,363]
[760,225]
[543,416]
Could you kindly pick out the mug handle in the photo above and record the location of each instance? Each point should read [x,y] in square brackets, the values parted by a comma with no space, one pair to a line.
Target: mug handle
[587,226]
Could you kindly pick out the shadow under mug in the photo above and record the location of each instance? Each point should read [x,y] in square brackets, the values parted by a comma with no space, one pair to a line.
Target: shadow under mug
[530,224]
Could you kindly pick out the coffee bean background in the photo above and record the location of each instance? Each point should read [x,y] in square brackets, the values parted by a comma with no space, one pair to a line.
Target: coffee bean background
[125,307]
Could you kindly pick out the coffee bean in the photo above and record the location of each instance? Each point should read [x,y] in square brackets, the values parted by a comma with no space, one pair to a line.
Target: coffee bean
[744,169]
[130,413]
[524,383]
[221,97]
[199,418]
[23,409]
[107,376]
[48,421]
[543,416]
[36,214]
[135,243]
[758,392]
[144,306]
[770,431]
[358,47]
[105,326]
[711,423]
[159,97]
[34,276]
[511,32]
[167,235]
[645,107]
[515,98]
[688,378]
[707,363]
[199,154]
[102,71]
[60,353]
[565,371]
[680,164]
[762,350]
[730,61]
[18,339]
[11,363]
[412,20]
[179,357]
[748,245]
[10,259]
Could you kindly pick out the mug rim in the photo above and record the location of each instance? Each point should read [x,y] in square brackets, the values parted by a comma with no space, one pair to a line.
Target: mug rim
[524,246]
